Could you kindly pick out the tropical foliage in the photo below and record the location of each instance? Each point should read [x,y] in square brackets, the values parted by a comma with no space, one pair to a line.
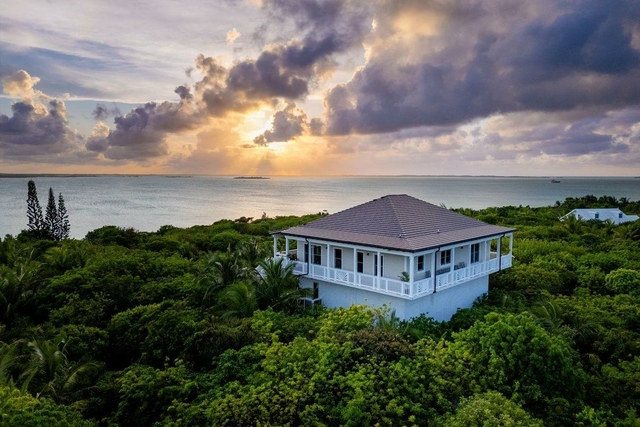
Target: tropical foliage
[197,326]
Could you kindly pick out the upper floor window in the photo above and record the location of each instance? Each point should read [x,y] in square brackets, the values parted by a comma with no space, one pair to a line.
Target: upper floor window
[317,255]
[445,257]
[360,262]
[475,252]
[620,215]
[337,258]
[597,215]
[421,263]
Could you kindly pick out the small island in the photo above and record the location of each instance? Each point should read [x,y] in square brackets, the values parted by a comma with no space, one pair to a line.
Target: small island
[251,177]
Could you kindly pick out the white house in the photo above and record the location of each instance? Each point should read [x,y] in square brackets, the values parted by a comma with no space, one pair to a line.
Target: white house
[613,214]
[397,250]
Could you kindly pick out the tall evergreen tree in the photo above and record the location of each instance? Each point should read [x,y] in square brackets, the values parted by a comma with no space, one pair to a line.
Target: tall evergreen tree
[63,220]
[51,217]
[34,211]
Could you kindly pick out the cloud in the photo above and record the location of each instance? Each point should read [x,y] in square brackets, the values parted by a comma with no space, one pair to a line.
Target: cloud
[101,112]
[551,57]
[38,125]
[141,134]
[232,36]
[184,92]
[286,125]
[20,85]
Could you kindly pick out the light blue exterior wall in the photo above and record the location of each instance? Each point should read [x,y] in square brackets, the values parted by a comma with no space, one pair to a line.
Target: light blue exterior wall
[440,305]
[443,304]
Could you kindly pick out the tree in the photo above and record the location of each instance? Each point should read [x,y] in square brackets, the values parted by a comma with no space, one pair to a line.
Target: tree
[34,211]
[51,217]
[623,281]
[62,227]
[19,409]
[490,409]
[49,372]
[277,286]
[513,354]
[238,300]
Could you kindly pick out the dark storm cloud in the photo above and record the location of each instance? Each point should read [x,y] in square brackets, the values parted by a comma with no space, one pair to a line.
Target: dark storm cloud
[285,70]
[286,125]
[184,92]
[328,26]
[102,112]
[141,134]
[612,135]
[588,136]
[36,130]
[549,57]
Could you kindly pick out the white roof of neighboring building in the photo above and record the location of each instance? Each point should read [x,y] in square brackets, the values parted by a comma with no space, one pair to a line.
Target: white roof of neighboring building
[612,214]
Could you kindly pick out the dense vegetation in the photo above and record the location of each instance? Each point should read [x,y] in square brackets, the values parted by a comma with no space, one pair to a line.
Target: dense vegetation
[174,328]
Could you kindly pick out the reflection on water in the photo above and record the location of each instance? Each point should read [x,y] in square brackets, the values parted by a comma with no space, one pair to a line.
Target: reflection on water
[148,202]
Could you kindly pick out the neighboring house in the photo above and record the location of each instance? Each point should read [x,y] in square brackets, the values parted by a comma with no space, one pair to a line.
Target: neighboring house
[397,250]
[614,215]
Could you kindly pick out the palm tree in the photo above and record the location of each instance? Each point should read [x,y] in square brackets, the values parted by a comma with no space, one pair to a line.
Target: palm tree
[67,256]
[277,286]
[220,270]
[49,371]
[582,331]
[239,300]
[252,252]
[574,224]
[549,314]
[15,288]
[628,231]
[7,361]
[391,323]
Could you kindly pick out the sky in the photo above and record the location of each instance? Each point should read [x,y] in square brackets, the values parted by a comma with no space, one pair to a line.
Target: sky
[321,87]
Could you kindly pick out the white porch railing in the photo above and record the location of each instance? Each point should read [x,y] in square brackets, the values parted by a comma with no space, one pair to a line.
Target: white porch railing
[506,261]
[396,287]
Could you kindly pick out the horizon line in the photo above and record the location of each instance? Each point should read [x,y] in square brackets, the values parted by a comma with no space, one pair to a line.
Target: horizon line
[182,175]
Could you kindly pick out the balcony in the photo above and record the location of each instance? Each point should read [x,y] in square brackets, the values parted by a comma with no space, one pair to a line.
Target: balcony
[396,287]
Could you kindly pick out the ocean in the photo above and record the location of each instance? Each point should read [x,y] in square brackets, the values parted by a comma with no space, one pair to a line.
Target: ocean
[148,202]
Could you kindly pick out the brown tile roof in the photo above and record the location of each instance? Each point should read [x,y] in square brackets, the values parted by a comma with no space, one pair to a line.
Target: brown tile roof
[398,222]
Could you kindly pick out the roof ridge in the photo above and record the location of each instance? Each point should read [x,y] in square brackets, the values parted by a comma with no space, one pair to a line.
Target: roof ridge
[395,213]
[403,232]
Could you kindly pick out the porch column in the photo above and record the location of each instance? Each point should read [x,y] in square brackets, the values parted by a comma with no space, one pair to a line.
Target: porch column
[329,263]
[453,258]
[487,255]
[510,244]
[275,245]
[412,258]
[286,245]
[378,271]
[355,265]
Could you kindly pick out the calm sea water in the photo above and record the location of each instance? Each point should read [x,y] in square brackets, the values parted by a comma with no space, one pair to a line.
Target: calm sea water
[148,202]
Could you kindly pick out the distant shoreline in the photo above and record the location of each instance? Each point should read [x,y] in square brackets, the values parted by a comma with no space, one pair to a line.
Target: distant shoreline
[251,177]
[134,175]
[84,175]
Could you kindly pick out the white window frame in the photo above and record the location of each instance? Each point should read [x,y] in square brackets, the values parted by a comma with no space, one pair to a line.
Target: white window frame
[446,256]
[314,254]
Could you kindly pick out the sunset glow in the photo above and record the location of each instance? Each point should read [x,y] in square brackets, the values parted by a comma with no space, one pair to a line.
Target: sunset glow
[321,87]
